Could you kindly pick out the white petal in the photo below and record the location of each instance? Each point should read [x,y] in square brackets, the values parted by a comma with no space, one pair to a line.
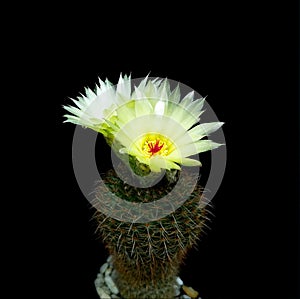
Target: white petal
[143,83]
[102,85]
[124,87]
[204,129]
[160,108]
[195,107]
[157,81]
[125,114]
[175,95]
[89,93]
[73,110]
[124,139]
[182,116]
[164,90]
[143,107]
[78,103]
[150,90]
[187,100]
[157,163]
[206,145]
[138,93]
[193,148]
[190,162]
[186,161]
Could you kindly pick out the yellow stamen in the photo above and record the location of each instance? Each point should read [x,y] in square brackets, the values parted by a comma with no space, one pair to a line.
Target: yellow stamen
[156,144]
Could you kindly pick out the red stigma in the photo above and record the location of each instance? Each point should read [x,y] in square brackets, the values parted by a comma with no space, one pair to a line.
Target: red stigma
[155,148]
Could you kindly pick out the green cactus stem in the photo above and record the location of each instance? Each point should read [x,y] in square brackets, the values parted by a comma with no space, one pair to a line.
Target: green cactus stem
[147,256]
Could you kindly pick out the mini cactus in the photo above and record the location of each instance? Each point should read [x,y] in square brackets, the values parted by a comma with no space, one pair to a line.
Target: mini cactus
[150,130]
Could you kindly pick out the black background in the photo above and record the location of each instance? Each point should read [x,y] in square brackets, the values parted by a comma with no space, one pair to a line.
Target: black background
[245,58]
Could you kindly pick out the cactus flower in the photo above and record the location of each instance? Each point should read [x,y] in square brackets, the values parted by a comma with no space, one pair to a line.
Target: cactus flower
[151,123]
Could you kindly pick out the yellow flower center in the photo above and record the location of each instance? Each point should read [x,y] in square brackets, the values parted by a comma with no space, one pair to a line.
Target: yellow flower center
[156,144]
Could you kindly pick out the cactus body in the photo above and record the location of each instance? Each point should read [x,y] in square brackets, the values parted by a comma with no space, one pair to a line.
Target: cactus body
[147,256]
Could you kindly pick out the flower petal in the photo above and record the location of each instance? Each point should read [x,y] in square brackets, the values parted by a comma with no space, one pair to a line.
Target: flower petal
[204,129]
[143,107]
[157,163]
[175,95]
[195,107]
[124,87]
[160,108]
[193,148]
[187,100]
[189,162]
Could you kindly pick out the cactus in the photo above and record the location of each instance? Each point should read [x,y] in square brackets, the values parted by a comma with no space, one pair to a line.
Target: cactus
[148,256]
[151,129]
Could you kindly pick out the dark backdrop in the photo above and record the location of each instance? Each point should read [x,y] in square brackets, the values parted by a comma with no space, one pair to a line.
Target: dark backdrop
[245,59]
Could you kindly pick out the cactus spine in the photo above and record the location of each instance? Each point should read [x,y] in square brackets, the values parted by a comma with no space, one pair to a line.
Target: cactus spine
[147,256]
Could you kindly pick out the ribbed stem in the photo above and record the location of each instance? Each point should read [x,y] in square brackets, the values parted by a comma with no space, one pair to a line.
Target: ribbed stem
[136,281]
[147,256]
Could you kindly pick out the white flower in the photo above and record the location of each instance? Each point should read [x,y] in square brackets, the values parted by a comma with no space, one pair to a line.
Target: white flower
[92,109]
[160,129]
[151,123]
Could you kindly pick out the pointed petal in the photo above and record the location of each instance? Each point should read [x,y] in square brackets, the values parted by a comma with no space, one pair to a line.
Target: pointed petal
[204,129]
[150,90]
[190,162]
[143,107]
[164,90]
[143,83]
[206,145]
[195,107]
[125,113]
[175,95]
[193,148]
[124,87]
[138,93]
[187,161]
[89,93]
[157,163]
[160,108]
[187,100]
